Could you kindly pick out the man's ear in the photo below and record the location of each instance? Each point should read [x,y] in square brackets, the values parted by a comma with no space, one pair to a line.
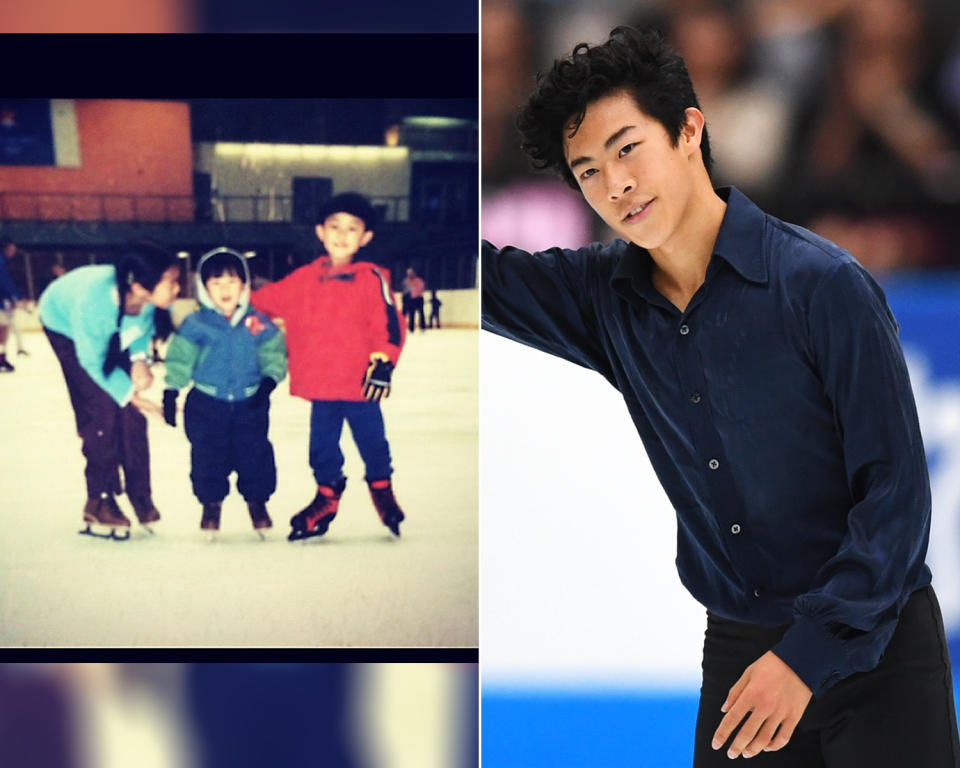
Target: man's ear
[367,237]
[691,133]
[318,231]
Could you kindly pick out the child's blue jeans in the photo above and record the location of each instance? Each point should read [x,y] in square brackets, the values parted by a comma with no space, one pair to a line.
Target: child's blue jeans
[366,425]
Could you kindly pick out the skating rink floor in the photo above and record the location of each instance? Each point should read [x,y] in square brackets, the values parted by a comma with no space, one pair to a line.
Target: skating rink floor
[356,586]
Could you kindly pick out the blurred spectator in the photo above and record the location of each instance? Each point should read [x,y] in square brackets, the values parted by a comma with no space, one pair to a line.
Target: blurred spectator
[880,163]
[515,203]
[749,116]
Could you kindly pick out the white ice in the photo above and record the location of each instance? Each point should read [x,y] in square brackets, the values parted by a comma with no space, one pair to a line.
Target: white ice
[355,586]
[580,589]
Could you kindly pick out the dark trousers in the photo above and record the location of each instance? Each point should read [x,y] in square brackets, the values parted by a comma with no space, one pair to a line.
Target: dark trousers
[897,715]
[366,425]
[224,437]
[414,308]
[112,436]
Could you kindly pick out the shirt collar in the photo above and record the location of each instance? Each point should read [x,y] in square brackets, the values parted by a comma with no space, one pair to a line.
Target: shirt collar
[739,243]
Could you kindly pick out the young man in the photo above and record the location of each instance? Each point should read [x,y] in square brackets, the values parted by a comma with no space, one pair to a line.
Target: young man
[761,367]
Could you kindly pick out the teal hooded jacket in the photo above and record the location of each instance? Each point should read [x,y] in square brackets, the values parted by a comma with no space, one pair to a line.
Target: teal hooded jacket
[225,357]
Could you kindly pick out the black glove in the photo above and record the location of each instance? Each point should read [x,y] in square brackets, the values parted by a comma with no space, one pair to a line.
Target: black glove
[376,382]
[258,398]
[170,406]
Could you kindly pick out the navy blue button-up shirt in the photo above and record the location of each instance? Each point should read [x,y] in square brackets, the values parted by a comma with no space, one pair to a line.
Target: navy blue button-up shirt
[776,411]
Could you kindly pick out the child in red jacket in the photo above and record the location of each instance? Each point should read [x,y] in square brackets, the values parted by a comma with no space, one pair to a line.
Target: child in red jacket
[344,336]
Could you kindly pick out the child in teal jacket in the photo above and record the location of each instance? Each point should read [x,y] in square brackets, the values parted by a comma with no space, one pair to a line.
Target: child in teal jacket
[235,356]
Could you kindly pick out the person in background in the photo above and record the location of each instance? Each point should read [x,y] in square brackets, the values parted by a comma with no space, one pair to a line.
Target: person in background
[10,298]
[413,288]
[434,309]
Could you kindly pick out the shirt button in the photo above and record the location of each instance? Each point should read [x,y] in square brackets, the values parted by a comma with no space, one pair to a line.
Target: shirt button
[695,398]
[684,329]
[735,529]
[713,463]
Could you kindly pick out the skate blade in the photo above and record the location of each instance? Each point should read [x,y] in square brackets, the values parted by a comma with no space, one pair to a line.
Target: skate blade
[261,533]
[148,527]
[300,535]
[104,532]
[210,536]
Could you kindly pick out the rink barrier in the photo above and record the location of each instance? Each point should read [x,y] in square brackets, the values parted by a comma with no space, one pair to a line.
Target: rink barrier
[460,309]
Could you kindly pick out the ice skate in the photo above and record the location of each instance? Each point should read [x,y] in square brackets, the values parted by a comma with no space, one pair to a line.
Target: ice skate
[316,517]
[5,366]
[381,491]
[104,519]
[210,519]
[147,513]
[259,517]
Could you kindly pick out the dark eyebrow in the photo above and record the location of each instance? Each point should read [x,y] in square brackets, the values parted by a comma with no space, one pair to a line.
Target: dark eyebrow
[606,145]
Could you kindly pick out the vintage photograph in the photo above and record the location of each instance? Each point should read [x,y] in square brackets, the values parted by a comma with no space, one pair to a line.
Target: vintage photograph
[239,359]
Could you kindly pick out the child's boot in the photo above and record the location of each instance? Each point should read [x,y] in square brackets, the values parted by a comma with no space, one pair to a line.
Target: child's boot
[381,491]
[259,515]
[210,520]
[315,518]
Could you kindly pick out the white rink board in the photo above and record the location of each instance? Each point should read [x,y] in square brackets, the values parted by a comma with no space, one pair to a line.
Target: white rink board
[356,586]
[578,582]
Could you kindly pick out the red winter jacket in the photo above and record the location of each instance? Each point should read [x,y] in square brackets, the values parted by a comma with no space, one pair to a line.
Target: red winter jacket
[335,319]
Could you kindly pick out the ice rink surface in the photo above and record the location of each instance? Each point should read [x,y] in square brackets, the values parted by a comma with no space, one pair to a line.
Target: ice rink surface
[355,586]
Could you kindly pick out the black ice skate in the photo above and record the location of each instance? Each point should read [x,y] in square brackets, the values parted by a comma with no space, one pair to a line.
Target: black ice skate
[315,518]
[259,516]
[381,491]
[210,520]
[104,519]
[5,366]
[147,513]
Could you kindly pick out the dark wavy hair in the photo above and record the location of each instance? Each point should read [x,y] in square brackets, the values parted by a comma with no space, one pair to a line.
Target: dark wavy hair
[637,61]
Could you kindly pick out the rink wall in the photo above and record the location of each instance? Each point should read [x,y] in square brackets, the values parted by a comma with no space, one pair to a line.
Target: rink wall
[460,309]
[600,642]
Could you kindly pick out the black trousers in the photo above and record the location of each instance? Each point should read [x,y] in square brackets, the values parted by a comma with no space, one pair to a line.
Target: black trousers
[414,310]
[226,436]
[899,715]
[112,436]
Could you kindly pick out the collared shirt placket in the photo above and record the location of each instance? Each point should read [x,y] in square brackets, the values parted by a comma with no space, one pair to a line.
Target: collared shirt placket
[726,504]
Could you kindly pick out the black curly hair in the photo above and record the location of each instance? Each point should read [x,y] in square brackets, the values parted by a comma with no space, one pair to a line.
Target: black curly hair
[638,61]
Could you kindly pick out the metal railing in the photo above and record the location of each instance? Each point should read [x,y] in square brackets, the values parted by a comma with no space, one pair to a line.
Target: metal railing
[84,206]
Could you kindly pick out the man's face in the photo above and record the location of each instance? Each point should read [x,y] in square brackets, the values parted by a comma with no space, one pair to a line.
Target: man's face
[343,234]
[630,172]
[166,290]
[225,290]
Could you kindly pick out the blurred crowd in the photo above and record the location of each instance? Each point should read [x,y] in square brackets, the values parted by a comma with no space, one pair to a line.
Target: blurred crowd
[839,115]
